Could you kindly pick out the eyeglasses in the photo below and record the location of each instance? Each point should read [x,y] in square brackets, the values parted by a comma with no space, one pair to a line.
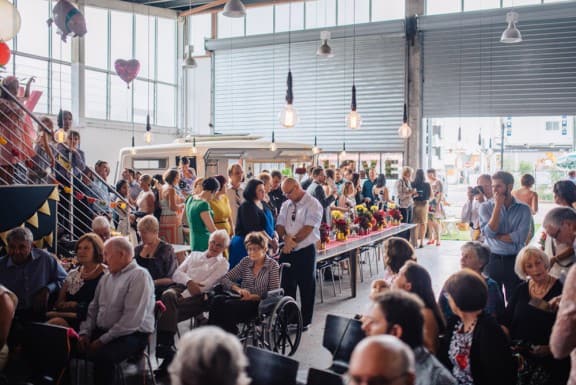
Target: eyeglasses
[294,213]
[376,380]
[287,194]
[217,244]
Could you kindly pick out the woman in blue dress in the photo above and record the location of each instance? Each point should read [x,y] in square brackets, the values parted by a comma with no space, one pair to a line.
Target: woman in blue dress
[253,215]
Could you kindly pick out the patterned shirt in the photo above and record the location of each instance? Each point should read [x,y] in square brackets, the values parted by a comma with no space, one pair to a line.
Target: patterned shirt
[459,354]
[268,277]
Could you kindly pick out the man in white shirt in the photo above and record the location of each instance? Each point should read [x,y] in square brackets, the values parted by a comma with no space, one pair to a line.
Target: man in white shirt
[198,274]
[298,225]
[121,315]
[235,191]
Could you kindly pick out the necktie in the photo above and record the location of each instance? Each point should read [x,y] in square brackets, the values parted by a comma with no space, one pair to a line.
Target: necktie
[238,200]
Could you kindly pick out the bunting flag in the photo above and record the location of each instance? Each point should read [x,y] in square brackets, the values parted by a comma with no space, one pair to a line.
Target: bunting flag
[32,206]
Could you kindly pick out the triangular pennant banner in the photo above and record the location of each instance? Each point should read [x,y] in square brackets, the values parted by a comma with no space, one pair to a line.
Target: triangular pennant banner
[3,236]
[45,209]
[39,243]
[33,220]
[54,195]
[49,239]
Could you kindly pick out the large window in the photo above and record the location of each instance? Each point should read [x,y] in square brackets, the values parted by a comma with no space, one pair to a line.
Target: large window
[112,35]
[200,29]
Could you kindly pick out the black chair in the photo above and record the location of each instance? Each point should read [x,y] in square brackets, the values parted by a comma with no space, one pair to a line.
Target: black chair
[48,350]
[323,377]
[341,335]
[266,367]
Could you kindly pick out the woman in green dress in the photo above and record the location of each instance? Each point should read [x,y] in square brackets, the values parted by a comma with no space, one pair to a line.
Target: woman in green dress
[200,215]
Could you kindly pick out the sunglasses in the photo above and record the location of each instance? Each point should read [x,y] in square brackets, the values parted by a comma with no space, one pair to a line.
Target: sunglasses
[294,214]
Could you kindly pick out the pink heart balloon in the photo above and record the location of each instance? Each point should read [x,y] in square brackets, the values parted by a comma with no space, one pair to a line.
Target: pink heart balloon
[127,69]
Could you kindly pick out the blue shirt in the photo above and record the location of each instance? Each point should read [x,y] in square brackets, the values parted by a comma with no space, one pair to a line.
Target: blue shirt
[367,189]
[41,271]
[514,221]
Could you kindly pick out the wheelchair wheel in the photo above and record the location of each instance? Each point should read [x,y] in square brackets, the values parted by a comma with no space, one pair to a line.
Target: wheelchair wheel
[285,327]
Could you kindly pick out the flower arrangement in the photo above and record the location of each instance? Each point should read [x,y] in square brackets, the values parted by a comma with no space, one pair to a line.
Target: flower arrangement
[380,217]
[324,233]
[395,214]
[364,218]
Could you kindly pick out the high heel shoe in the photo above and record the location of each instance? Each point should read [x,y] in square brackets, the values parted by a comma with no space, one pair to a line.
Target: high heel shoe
[437,243]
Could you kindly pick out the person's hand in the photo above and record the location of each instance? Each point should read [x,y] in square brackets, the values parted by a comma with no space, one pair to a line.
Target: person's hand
[83,343]
[289,244]
[540,350]
[499,199]
[40,300]
[555,302]
[194,288]
[469,194]
[274,245]
[244,294]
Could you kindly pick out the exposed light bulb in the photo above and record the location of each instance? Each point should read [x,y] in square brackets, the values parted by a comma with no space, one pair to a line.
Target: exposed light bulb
[60,136]
[288,116]
[194,149]
[273,146]
[133,150]
[148,137]
[404,131]
[315,150]
[353,120]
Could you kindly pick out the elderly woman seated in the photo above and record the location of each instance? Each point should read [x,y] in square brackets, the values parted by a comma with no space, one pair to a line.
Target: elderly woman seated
[155,255]
[80,285]
[209,356]
[257,274]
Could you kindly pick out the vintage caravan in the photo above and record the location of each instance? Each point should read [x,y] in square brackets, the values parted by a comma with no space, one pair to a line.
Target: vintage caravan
[211,155]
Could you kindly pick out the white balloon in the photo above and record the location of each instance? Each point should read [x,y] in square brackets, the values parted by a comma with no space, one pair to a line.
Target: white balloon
[9,20]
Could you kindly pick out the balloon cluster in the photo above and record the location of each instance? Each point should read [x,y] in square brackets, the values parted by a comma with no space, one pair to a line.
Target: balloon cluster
[9,26]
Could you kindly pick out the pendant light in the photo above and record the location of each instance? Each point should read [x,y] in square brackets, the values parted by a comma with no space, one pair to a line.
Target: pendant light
[315,148]
[234,8]
[511,34]
[194,150]
[273,143]
[353,119]
[189,61]
[289,115]
[148,133]
[343,152]
[325,50]
[405,131]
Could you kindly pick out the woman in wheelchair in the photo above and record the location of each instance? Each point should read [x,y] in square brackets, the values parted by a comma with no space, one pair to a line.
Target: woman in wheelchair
[249,282]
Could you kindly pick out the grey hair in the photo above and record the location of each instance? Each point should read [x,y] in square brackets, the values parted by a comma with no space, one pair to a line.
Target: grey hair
[387,342]
[524,254]
[121,244]
[558,215]
[20,234]
[222,234]
[209,356]
[148,223]
[100,222]
[481,251]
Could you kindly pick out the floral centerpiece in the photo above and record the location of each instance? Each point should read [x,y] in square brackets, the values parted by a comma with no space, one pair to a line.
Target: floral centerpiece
[379,217]
[364,218]
[341,225]
[395,215]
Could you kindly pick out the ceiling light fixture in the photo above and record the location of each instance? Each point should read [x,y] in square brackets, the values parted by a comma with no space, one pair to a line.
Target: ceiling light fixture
[189,61]
[511,34]
[289,115]
[315,148]
[353,119]
[234,8]
[343,152]
[273,143]
[405,131]
[325,50]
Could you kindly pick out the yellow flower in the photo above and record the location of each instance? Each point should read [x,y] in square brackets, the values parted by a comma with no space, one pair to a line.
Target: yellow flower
[373,208]
[337,215]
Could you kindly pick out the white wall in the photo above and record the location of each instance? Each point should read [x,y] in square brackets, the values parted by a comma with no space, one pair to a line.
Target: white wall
[199,98]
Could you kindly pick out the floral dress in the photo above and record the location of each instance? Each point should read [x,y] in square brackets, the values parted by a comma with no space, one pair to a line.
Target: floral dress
[459,354]
[435,206]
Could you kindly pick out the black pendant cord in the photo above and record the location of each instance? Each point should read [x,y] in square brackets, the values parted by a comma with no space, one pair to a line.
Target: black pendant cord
[353,103]
[289,93]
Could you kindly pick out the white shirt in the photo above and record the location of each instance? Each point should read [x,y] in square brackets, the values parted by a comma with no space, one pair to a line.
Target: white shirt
[307,212]
[202,270]
[235,197]
[123,304]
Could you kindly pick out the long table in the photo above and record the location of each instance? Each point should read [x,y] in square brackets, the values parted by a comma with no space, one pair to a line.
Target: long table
[352,247]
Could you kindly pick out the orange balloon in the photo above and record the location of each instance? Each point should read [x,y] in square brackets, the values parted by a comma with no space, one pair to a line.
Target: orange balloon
[4,53]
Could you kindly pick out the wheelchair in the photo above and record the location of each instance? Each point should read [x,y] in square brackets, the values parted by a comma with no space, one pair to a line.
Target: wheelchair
[278,325]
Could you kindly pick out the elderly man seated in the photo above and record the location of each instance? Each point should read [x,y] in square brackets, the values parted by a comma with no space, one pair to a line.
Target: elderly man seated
[101,227]
[199,272]
[32,274]
[121,316]
[382,359]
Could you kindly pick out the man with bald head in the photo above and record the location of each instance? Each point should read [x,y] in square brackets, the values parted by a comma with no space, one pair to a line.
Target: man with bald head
[382,359]
[121,315]
[298,225]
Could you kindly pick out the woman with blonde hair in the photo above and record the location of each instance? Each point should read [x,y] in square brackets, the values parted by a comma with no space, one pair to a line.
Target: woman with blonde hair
[171,217]
[406,194]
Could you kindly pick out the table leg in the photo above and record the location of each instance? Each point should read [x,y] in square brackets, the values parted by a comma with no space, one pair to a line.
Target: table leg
[352,262]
